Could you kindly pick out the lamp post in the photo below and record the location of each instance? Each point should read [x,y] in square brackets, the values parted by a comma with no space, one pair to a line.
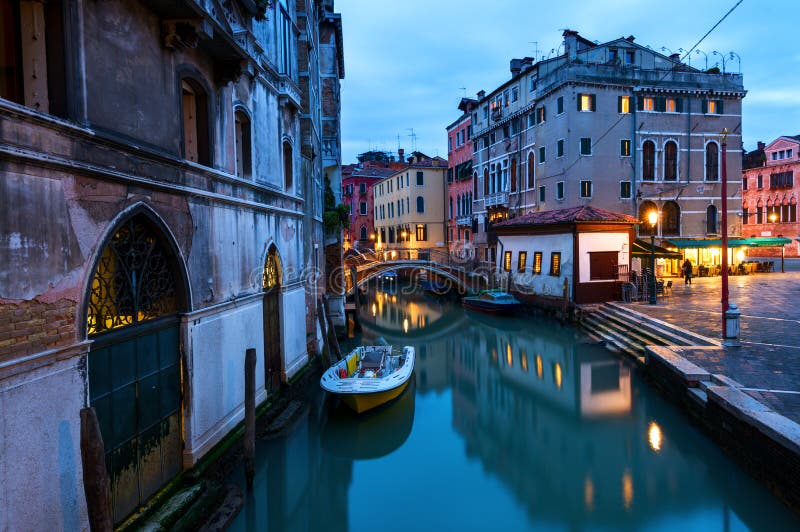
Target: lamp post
[724,201]
[652,217]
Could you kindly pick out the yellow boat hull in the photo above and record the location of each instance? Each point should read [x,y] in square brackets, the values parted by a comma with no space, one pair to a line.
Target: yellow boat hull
[361,402]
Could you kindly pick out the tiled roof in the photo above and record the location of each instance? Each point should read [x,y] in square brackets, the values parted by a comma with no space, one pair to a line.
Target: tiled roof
[584,213]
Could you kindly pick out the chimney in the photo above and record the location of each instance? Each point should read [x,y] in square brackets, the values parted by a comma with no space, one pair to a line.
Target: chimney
[630,38]
[481,94]
[401,155]
[675,57]
[761,145]
[526,62]
[571,45]
[515,66]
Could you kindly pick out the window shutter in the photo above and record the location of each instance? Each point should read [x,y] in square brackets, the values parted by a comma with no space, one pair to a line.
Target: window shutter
[719,107]
[704,106]
[678,105]
[661,104]
[639,103]
[580,97]
[594,102]
[619,104]
[544,114]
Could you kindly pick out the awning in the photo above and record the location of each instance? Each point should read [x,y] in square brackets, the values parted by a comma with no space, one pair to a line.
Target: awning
[754,242]
[641,249]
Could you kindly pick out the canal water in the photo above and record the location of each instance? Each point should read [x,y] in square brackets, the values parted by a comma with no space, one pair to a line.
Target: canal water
[511,424]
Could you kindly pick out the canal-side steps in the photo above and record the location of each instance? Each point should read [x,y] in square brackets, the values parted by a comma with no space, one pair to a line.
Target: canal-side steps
[626,331]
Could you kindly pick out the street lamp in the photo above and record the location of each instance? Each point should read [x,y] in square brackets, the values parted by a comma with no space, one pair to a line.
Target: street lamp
[724,198]
[773,217]
[652,218]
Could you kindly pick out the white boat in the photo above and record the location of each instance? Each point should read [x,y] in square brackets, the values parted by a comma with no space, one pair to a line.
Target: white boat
[369,376]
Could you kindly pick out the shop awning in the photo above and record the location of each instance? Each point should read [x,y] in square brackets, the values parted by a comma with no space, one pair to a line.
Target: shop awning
[754,242]
[641,249]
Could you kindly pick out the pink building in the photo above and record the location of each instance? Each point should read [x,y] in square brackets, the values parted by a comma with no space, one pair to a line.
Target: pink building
[357,181]
[460,182]
[770,194]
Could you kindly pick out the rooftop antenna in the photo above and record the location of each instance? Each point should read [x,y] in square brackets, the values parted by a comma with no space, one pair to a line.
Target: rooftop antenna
[413,138]
[398,143]
[535,48]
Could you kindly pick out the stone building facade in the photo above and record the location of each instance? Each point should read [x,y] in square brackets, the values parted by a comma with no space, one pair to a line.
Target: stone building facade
[769,196]
[460,182]
[613,125]
[160,182]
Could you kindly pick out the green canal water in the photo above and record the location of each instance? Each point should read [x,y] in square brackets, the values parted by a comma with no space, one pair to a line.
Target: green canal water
[510,424]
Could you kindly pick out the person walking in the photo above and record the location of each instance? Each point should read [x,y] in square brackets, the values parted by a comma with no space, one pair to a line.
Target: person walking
[687,271]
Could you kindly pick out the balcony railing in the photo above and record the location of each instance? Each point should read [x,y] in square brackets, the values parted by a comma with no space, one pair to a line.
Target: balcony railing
[464,220]
[493,200]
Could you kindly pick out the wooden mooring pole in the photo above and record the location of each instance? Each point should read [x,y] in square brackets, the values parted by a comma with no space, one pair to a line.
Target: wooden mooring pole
[356,317]
[250,417]
[565,301]
[96,484]
[326,347]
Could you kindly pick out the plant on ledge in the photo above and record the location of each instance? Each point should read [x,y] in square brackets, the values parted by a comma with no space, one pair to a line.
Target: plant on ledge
[335,217]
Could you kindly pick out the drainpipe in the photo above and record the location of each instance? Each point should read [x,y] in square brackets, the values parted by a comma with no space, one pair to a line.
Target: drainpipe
[634,152]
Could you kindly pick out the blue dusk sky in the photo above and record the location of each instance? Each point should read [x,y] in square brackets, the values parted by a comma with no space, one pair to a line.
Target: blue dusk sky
[409,63]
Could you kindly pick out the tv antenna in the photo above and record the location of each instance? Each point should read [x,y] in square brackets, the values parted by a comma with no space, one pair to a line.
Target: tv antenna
[535,48]
[413,138]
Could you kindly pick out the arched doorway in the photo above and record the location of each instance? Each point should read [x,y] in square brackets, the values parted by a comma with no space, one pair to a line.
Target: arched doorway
[134,365]
[671,219]
[271,284]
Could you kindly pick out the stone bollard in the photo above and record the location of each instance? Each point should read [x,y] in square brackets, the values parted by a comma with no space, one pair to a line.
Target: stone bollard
[732,316]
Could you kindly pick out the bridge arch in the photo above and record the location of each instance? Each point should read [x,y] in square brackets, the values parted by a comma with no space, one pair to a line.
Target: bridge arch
[465,281]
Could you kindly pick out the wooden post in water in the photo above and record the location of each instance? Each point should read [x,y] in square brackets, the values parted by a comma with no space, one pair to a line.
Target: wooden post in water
[331,331]
[356,317]
[96,484]
[326,348]
[249,416]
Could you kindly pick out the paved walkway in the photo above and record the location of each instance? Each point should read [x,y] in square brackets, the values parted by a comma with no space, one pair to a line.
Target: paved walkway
[767,364]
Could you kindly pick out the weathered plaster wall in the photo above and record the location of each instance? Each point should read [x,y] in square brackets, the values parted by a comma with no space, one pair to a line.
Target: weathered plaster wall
[293,329]
[588,242]
[541,284]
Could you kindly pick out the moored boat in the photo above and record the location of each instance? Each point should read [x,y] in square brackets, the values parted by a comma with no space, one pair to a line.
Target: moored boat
[369,376]
[492,302]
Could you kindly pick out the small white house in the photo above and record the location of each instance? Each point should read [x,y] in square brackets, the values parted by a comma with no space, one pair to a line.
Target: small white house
[586,246]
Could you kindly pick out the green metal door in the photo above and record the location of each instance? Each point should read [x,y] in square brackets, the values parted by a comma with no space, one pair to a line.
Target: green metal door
[135,386]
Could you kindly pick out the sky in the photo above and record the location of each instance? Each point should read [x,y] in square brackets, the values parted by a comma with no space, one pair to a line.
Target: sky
[409,63]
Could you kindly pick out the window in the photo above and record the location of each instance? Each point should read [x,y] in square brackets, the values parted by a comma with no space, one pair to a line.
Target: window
[362,188]
[712,162]
[514,94]
[288,176]
[420,179]
[711,220]
[781,180]
[244,161]
[541,194]
[513,175]
[492,138]
[531,170]
[362,208]
[625,189]
[624,104]
[542,154]
[474,184]
[648,161]
[560,105]
[540,114]
[613,55]
[507,261]
[586,102]
[523,258]
[286,33]
[789,153]
[745,216]
[532,84]
[422,232]
[759,182]
[485,181]
[451,207]
[560,190]
[420,204]
[560,148]
[586,189]
[603,265]
[363,233]
[555,263]
[669,105]
[670,219]
[712,107]
[670,161]
[531,120]
[586,146]
[195,122]
[629,57]
[485,112]
[537,262]
[759,214]
[449,143]
[625,148]
[647,104]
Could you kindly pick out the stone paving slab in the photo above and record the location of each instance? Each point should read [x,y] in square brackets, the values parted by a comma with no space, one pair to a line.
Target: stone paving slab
[768,362]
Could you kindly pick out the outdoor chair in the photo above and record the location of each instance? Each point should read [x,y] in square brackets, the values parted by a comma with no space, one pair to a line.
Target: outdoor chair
[668,289]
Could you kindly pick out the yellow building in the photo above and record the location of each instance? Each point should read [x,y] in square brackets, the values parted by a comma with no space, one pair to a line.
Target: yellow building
[410,207]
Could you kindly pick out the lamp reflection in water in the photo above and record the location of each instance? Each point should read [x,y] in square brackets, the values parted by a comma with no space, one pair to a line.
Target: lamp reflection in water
[627,489]
[539,366]
[509,356]
[405,325]
[557,375]
[588,493]
[654,436]
[374,310]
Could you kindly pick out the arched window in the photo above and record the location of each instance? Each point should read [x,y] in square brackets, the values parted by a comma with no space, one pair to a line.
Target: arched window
[645,208]
[451,207]
[475,183]
[531,170]
[287,165]
[485,181]
[420,204]
[469,204]
[196,123]
[648,160]
[458,205]
[712,162]
[711,220]
[363,233]
[244,160]
[513,175]
[670,161]
[671,219]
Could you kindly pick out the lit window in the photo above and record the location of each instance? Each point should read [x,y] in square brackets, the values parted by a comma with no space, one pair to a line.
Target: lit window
[555,263]
[507,261]
[625,148]
[422,232]
[648,104]
[669,105]
[586,102]
[523,258]
[712,107]
[624,104]
[537,262]
[586,189]
[625,189]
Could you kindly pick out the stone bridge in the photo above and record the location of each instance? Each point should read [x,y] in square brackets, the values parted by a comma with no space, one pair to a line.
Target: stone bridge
[466,274]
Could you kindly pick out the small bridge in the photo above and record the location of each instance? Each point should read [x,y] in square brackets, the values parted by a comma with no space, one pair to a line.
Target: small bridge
[467,274]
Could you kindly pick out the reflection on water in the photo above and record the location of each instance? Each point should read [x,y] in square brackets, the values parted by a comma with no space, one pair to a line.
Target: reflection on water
[514,423]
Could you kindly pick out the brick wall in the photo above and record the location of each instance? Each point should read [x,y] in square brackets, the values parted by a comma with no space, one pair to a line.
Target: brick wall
[29,327]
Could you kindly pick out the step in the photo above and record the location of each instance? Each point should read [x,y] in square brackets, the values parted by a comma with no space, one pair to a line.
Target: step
[663,328]
[665,333]
[638,335]
[613,340]
[699,396]
[608,330]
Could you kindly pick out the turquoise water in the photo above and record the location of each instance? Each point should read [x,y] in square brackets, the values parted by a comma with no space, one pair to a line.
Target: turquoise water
[511,424]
